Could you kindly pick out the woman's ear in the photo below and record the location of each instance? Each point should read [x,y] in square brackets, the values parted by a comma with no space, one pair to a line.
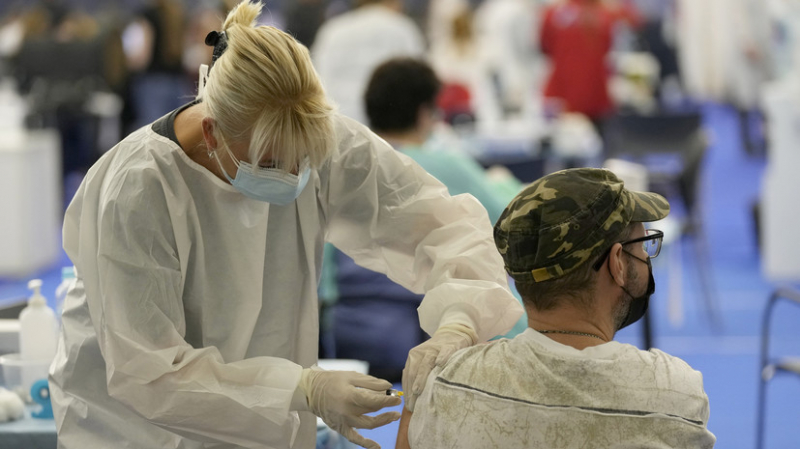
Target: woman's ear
[208,134]
[615,264]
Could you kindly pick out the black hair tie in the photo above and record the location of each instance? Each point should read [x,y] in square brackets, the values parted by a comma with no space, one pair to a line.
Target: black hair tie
[218,40]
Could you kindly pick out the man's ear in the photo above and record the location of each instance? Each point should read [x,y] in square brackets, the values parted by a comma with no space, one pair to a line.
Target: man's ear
[616,265]
[208,133]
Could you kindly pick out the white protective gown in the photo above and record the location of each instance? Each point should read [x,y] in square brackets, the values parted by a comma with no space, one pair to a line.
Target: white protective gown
[195,308]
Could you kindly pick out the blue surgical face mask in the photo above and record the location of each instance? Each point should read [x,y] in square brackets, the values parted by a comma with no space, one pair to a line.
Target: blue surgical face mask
[271,185]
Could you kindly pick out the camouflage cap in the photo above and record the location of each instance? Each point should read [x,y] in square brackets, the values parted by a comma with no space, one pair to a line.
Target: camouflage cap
[568,218]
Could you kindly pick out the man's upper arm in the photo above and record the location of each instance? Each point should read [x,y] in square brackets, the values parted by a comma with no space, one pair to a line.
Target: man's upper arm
[402,431]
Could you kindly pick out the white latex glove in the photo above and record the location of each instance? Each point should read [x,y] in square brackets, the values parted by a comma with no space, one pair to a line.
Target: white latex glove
[341,399]
[435,352]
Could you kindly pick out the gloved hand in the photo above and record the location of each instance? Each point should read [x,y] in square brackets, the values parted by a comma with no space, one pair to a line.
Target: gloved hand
[341,399]
[435,352]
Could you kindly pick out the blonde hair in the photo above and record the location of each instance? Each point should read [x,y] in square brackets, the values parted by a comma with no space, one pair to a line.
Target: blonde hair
[264,88]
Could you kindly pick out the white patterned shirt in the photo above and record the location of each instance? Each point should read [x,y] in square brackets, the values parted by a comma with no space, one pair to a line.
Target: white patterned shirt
[533,392]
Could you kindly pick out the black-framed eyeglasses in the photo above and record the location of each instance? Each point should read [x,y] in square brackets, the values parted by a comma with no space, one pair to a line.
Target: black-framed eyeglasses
[651,244]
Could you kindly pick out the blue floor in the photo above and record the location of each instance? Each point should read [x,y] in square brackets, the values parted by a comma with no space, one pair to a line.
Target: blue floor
[726,352]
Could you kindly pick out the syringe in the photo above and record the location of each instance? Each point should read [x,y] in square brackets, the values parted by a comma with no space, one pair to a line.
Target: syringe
[393,392]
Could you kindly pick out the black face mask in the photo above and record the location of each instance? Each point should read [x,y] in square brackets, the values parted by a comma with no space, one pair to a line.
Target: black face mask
[639,305]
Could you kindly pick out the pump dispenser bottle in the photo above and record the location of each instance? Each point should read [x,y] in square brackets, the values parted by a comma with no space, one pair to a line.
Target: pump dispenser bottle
[38,327]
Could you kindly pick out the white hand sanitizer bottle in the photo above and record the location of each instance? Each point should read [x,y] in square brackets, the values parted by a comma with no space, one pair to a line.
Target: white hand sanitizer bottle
[38,336]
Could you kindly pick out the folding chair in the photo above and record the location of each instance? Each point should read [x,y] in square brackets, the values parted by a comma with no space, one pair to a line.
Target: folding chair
[770,366]
[672,146]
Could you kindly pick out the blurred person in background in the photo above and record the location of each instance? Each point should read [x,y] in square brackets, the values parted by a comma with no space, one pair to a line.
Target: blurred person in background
[348,47]
[205,16]
[506,32]
[401,106]
[453,53]
[16,24]
[468,92]
[70,66]
[303,18]
[657,37]
[155,49]
[198,240]
[439,20]
[577,36]
[455,56]
[724,52]
[753,67]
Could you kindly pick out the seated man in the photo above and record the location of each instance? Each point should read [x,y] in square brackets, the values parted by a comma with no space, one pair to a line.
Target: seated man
[400,101]
[575,245]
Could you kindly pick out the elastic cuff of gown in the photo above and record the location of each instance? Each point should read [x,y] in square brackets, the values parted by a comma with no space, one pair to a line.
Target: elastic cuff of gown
[458,314]
[299,401]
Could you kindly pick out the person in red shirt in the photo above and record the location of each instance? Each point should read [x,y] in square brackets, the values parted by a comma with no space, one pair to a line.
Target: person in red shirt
[577,36]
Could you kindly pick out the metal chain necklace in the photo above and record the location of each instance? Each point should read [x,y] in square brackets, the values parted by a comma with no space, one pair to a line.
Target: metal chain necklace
[583,334]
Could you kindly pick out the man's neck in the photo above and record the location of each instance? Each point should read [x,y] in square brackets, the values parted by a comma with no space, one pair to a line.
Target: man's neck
[403,138]
[572,326]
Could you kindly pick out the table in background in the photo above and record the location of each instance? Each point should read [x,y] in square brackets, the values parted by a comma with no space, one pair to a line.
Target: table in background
[28,433]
